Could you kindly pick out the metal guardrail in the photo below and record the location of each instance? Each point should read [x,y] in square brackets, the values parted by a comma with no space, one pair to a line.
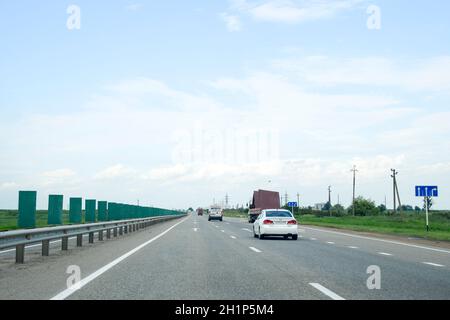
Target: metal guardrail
[20,239]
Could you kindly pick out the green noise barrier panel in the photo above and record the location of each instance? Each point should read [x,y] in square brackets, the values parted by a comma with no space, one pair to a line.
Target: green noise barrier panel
[75,210]
[27,209]
[102,211]
[90,207]
[55,209]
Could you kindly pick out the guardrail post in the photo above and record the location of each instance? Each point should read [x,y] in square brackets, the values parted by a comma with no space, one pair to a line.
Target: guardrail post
[27,209]
[46,248]
[100,235]
[65,243]
[120,231]
[126,229]
[108,234]
[91,237]
[79,240]
[115,232]
[20,253]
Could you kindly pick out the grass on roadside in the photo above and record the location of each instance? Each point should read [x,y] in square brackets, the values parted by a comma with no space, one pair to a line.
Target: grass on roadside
[232,213]
[8,219]
[412,225]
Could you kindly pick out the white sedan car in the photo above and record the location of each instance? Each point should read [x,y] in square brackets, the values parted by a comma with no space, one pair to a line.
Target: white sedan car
[273,222]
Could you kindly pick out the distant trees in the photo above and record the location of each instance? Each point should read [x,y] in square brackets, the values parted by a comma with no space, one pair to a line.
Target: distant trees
[406,208]
[327,207]
[429,201]
[364,207]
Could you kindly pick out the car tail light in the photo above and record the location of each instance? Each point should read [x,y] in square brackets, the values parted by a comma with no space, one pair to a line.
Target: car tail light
[292,222]
[268,222]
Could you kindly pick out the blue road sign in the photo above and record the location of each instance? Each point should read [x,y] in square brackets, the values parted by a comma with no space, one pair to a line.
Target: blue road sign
[427,191]
[292,204]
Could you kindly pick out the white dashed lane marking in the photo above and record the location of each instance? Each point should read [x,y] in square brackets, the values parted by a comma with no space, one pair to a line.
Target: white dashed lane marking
[254,249]
[434,264]
[326,291]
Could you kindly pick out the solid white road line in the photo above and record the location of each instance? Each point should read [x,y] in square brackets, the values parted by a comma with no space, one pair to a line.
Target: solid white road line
[434,264]
[381,240]
[69,291]
[385,254]
[326,291]
[232,237]
[254,249]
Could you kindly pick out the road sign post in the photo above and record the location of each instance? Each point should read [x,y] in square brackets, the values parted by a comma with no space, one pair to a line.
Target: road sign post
[292,205]
[427,192]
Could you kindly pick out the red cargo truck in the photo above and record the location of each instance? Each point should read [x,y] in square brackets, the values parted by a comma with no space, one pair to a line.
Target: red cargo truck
[262,200]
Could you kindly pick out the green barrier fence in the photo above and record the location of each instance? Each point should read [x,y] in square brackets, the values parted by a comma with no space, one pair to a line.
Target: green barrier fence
[106,211]
[102,211]
[55,209]
[75,210]
[90,206]
[27,209]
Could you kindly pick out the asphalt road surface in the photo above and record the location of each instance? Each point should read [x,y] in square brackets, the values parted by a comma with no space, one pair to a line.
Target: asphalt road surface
[193,259]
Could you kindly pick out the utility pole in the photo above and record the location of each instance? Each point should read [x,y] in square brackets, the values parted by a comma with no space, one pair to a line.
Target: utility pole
[298,203]
[354,187]
[285,198]
[226,201]
[395,190]
[329,200]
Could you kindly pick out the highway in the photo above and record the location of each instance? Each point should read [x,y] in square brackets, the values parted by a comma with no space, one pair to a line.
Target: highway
[193,259]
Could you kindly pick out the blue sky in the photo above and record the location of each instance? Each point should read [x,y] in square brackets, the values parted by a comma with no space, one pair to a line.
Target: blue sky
[105,111]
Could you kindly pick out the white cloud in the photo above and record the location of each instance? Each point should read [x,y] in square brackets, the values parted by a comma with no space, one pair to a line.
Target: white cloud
[295,11]
[55,177]
[432,74]
[114,172]
[134,7]
[232,22]
[138,123]
[8,185]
